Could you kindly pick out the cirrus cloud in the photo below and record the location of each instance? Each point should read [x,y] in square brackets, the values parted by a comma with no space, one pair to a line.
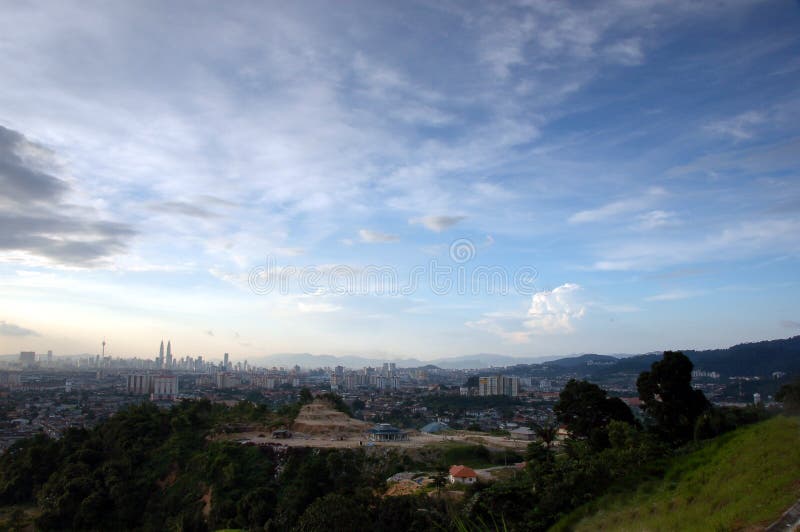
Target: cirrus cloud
[437,223]
[375,237]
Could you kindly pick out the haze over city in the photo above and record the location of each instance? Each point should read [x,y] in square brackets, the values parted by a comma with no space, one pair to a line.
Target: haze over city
[627,175]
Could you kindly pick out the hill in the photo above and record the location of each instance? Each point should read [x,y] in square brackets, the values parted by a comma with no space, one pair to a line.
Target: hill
[320,418]
[741,480]
[582,360]
[756,358]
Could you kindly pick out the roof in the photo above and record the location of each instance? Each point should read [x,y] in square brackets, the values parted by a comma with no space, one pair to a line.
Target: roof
[460,471]
[384,428]
[436,426]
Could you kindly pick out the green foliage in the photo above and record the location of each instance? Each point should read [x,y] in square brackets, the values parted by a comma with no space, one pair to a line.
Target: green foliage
[789,395]
[586,410]
[669,398]
[742,480]
[334,512]
[337,402]
[152,469]
[719,420]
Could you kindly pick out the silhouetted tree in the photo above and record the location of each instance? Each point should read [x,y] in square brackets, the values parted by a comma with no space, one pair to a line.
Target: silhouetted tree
[586,410]
[789,395]
[546,432]
[669,399]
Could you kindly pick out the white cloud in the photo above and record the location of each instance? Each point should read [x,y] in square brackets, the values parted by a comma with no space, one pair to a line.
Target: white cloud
[10,329]
[504,325]
[742,240]
[556,310]
[655,219]
[740,127]
[437,223]
[290,252]
[490,325]
[317,307]
[626,52]
[676,295]
[373,237]
[617,208]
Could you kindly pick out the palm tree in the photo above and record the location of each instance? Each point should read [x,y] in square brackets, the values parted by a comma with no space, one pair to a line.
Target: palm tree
[546,431]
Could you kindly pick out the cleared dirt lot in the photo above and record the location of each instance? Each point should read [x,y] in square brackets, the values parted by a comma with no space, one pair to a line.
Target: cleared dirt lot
[319,425]
[416,439]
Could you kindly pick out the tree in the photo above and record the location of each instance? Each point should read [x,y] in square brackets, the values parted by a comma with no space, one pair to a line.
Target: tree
[789,395]
[669,399]
[587,410]
[305,396]
[440,478]
[546,432]
[334,512]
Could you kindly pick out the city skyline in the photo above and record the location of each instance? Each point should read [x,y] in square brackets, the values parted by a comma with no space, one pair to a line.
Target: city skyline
[620,178]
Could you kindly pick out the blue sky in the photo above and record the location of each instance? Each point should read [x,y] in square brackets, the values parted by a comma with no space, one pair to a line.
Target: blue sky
[636,161]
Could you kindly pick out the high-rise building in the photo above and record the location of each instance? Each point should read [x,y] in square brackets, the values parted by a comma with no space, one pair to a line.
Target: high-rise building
[498,385]
[510,386]
[161,354]
[27,358]
[488,385]
[169,354]
[225,363]
[139,384]
[165,388]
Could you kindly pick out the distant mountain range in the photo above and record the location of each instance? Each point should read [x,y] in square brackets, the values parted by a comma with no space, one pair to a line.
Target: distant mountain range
[757,358]
[750,359]
[482,361]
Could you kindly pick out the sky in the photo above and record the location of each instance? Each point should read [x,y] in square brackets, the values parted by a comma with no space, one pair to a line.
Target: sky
[395,179]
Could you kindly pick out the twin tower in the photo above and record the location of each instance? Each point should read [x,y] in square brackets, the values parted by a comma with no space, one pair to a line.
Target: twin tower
[165,362]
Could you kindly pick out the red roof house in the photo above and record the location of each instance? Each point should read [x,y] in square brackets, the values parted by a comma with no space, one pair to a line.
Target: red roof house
[462,474]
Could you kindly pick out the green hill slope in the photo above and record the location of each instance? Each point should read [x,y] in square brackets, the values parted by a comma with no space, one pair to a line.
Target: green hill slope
[742,479]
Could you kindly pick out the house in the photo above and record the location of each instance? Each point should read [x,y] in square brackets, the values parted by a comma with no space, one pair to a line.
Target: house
[523,433]
[462,475]
[562,434]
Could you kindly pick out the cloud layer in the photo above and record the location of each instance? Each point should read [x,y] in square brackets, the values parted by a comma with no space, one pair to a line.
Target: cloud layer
[37,220]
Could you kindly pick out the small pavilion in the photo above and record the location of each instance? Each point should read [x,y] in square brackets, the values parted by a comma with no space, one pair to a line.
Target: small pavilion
[383,432]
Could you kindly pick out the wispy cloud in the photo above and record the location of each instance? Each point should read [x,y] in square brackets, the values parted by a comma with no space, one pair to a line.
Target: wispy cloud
[437,223]
[742,240]
[740,127]
[676,295]
[317,307]
[619,207]
[10,329]
[655,219]
[372,237]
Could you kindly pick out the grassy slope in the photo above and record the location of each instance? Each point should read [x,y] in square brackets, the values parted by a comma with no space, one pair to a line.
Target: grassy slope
[745,478]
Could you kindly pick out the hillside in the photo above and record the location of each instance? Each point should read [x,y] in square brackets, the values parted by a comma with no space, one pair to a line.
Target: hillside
[757,358]
[743,479]
[320,418]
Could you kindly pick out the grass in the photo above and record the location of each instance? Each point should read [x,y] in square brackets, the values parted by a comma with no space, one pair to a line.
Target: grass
[743,479]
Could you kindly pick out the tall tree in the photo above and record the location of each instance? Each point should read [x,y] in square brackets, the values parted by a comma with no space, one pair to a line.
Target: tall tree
[586,410]
[546,432]
[789,395]
[668,397]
